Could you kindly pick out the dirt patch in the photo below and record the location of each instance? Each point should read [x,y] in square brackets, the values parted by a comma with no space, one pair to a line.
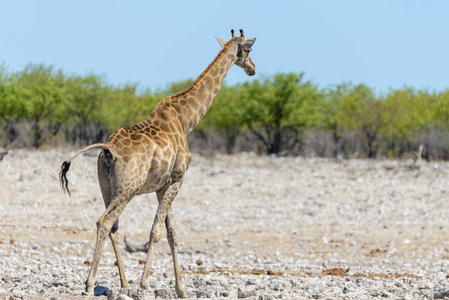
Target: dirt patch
[335,272]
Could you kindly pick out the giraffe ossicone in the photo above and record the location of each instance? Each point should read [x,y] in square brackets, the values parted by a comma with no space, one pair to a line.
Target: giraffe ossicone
[153,156]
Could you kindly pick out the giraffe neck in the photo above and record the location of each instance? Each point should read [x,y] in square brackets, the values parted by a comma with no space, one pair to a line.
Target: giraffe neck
[192,104]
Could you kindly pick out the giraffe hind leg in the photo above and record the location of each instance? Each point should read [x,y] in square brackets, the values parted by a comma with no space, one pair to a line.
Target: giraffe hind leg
[115,241]
[104,226]
[114,237]
[104,167]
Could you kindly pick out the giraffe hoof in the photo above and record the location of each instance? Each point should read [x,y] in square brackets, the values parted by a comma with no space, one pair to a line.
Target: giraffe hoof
[145,285]
[89,289]
[181,292]
[182,295]
[88,293]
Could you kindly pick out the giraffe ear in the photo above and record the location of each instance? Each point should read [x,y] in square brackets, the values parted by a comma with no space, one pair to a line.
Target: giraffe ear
[248,43]
[221,41]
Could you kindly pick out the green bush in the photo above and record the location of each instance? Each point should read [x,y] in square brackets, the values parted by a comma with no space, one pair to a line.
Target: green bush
[43,106]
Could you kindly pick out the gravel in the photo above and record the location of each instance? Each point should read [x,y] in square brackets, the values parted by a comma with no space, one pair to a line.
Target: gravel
[249,226]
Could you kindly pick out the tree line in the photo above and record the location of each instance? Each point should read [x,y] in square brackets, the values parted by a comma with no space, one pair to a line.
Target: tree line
[281,114]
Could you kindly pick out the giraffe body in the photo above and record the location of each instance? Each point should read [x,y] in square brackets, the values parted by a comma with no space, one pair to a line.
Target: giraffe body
[153,156]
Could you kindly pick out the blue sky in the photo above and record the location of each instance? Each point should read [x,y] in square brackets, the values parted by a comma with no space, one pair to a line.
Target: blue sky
[384,44]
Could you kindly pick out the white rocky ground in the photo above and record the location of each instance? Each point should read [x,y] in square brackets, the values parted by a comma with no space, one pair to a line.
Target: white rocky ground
[250,227]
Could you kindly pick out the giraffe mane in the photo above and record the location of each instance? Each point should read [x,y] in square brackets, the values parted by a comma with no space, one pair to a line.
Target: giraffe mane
[204,74]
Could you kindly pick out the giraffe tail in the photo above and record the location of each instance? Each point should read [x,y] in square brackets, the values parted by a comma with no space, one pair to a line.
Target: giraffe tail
[66,165]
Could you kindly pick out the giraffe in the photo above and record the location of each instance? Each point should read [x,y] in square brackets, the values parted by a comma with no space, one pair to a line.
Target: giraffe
[153,156]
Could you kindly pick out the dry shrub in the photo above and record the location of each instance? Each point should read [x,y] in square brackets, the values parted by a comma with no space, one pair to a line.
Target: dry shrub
[435,141]
[319,143]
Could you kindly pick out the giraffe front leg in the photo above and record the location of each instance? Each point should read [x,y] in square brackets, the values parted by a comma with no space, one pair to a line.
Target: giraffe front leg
[173,242]
[165,198]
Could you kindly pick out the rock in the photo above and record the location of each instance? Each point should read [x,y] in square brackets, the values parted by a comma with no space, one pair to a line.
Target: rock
[251,281]
[124,297]
[101,291]
[242,293]
[441,294]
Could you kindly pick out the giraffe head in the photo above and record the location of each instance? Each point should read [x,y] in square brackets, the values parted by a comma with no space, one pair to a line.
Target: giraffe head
[243,59]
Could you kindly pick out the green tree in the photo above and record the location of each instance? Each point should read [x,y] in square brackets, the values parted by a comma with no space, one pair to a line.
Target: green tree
[440,110]
[12,108]
[40,90]
[405,114]
[83,100]
[226,115]
[124,106]
[281,103]
[329,108]
[359,110]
